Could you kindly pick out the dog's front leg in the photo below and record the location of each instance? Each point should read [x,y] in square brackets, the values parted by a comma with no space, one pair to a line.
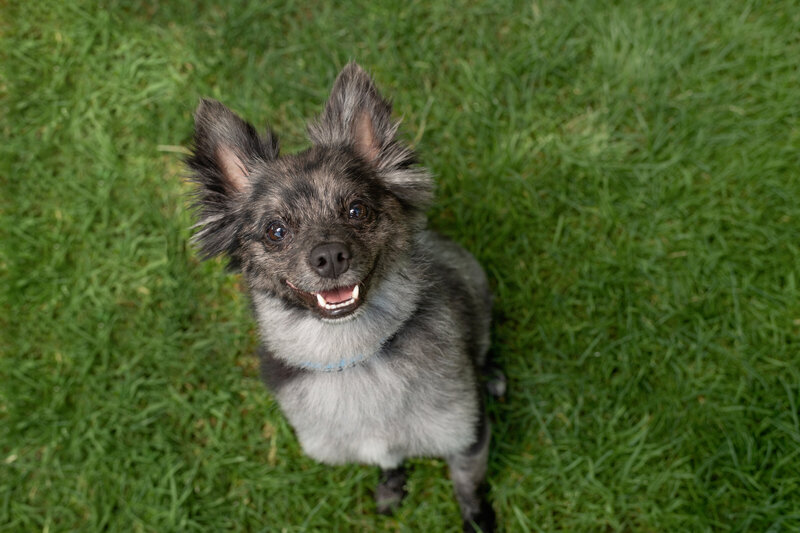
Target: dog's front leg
[468,472]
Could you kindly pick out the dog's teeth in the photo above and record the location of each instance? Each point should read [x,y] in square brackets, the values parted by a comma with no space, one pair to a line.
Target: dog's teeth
[323,303]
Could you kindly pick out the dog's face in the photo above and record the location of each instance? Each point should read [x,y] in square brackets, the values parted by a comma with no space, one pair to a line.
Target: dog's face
[319,228]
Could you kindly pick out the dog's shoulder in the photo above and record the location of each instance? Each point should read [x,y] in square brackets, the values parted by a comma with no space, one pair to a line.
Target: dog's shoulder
[452,269]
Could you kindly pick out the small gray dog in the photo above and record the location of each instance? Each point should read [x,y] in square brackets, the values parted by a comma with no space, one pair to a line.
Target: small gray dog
[374,330]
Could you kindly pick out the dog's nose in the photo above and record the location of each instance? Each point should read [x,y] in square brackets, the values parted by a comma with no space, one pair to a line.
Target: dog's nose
[330,260]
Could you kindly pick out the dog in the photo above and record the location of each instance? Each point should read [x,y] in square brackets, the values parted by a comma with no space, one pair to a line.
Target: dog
[374,330]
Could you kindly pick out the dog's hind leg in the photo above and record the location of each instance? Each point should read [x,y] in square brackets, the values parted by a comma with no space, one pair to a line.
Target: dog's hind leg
[468,472]
[391,490]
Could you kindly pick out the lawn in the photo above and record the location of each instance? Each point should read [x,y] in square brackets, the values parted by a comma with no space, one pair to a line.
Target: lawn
[626,173]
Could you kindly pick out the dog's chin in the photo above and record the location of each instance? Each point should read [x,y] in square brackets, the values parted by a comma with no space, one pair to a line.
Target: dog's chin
[337,304]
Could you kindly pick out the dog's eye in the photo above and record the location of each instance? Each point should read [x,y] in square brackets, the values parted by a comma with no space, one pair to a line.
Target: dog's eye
[358,211]
[276,231]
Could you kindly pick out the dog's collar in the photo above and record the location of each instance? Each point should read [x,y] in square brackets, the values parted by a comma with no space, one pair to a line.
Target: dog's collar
[346,363]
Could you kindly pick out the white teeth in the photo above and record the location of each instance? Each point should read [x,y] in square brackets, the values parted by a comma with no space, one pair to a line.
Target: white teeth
[337,306]
[350,301]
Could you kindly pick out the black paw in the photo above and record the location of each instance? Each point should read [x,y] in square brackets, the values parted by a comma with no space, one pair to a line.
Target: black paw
[483,522]
[391,490]
[497,384]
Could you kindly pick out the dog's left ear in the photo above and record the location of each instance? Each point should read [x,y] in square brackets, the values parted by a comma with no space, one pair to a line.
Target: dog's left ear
[357,116]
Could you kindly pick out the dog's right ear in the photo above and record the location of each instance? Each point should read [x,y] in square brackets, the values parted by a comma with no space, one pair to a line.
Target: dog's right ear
[226,151]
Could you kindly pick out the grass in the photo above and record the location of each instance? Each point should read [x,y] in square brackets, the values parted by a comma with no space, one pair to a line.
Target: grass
[627,175]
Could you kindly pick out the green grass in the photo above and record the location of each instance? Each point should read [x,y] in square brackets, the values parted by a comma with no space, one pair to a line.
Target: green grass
[627,175]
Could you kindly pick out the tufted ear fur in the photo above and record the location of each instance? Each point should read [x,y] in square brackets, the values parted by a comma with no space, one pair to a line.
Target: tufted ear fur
[226,149]
[358,117]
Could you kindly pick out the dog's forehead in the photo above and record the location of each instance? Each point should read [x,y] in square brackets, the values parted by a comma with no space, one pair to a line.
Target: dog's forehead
[314,181]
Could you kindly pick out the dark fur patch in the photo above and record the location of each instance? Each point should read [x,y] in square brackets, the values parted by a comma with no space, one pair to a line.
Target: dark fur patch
[274,372]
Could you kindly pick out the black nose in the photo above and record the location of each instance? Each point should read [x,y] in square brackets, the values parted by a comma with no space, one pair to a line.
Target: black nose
[330,260]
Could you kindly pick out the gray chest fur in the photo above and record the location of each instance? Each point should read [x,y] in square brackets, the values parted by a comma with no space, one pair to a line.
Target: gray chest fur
[380,413]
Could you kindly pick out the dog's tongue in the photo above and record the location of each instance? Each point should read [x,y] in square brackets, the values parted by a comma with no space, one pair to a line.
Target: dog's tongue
[337,295]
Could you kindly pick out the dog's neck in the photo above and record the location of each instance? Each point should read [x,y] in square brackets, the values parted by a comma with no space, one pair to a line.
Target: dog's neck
[344,364]
[303,340]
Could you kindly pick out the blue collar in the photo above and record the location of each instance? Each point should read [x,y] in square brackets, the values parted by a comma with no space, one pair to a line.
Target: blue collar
[344,363]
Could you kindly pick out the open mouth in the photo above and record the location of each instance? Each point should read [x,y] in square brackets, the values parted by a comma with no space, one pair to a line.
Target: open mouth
[335,303]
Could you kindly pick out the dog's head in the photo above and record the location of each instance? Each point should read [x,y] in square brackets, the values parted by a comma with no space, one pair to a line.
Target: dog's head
[319,228]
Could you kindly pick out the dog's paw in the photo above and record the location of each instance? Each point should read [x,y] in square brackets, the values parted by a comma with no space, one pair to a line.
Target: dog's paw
[484,522]
[497,384]
[391,490]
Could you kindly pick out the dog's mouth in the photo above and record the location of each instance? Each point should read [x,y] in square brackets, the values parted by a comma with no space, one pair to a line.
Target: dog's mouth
[334,303]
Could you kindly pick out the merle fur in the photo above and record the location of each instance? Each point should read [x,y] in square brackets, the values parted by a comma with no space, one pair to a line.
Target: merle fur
[423,326]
